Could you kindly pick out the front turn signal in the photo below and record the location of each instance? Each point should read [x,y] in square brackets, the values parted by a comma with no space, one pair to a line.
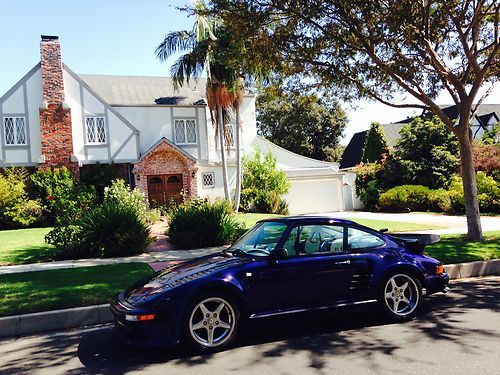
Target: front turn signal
[439,269]
[139,318]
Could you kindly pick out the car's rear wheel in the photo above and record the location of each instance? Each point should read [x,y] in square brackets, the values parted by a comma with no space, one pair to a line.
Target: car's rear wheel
[401,296]
[211,322]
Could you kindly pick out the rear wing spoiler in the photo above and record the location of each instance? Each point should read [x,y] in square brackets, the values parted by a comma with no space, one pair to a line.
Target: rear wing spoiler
[415,242]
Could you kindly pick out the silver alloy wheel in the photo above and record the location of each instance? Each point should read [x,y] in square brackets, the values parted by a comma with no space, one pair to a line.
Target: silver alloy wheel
[212,322]
[401,294]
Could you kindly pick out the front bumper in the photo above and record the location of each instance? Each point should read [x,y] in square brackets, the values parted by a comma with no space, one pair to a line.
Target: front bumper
[162,331]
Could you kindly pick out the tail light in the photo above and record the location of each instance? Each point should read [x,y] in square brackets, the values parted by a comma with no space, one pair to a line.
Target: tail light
[439,270]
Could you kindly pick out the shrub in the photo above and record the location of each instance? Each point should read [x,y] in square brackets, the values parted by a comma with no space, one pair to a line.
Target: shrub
[439,200]
[110,230]
[487,159]
[201,223]
[60,194]
[367,185]
[16,209]
[100,176]
[269,202]
[488,191]
[405,198]
[113,230]
[121,194]
[263,184]
[428,152]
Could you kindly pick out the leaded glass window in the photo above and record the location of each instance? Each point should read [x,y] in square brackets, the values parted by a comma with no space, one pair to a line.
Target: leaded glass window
[208,179]
[185,131]
[95,130]
[14,131]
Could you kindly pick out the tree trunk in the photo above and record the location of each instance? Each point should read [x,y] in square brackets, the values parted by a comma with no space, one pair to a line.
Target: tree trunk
[223,153]
[474,232]
[238,160]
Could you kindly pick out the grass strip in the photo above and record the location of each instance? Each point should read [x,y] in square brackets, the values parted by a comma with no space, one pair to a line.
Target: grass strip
[24,246]
[454,249]
[28,292]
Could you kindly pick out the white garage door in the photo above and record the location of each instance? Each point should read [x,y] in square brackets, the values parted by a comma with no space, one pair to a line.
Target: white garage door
[308,196]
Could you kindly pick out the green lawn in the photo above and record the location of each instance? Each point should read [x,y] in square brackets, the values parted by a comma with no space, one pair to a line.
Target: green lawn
[24,246]
[453,249]
[249,220]
[29,292]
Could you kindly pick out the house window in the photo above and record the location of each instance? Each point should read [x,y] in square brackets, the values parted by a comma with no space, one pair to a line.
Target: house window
[95,128]
[185,132]
[208,179]
[14,131]
[230,135]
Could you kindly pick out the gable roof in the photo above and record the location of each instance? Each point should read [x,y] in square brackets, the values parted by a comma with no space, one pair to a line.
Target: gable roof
[354,151]
[145,91]
[171,145]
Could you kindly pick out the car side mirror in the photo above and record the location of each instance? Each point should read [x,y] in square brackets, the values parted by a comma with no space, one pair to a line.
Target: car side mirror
[278,254]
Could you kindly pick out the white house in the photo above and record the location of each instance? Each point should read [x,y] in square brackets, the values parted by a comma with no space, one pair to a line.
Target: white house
[162,140]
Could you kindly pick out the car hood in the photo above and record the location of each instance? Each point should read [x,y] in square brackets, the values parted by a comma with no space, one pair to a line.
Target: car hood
[179,274]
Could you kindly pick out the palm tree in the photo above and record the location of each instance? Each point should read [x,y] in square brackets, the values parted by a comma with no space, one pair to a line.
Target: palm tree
[203,49]
[236,105]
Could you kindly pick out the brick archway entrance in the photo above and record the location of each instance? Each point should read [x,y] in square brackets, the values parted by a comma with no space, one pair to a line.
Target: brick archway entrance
[166,172]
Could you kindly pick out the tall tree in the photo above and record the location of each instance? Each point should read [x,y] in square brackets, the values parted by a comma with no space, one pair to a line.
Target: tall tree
[375,144]
[302,123]
[425,154]
[379,48]
[204,50]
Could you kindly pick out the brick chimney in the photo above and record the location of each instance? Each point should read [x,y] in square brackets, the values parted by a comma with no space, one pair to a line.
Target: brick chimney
[55,116]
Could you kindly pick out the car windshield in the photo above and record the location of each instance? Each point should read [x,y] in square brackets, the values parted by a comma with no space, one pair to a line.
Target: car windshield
[260,240]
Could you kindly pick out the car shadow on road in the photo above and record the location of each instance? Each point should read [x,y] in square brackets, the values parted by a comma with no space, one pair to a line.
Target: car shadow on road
[318,336]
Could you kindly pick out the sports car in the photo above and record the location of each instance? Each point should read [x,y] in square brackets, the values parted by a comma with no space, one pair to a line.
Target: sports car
[281,266]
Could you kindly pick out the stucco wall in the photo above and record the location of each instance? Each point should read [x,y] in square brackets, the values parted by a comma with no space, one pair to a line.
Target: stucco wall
[23,99]
[122,142]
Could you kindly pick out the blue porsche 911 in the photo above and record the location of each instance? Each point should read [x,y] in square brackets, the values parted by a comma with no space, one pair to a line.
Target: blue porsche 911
[281,266]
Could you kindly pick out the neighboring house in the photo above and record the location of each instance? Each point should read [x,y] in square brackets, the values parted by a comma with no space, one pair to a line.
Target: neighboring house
[162,140]
[486,116]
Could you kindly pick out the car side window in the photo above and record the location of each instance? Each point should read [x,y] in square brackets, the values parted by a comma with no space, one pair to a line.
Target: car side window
[359,239]
[313,239]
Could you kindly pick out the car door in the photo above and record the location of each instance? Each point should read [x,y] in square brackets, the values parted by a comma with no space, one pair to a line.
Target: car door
[362,247]
[316,273]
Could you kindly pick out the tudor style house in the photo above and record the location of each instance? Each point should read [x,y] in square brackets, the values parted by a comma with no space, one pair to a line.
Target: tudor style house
[162,140]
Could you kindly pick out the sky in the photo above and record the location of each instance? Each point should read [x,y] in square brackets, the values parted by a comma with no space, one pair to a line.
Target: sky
[119,37]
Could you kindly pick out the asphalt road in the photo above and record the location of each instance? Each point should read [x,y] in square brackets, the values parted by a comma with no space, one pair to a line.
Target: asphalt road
[457,333]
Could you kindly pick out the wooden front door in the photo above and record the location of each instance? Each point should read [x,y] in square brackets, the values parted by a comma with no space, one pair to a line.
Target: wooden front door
[163,188]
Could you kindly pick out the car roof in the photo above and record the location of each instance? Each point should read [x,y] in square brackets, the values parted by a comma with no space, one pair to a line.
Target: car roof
[308,219]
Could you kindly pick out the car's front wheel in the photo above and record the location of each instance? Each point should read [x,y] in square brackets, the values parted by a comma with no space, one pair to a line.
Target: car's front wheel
[211,322]
[401,296]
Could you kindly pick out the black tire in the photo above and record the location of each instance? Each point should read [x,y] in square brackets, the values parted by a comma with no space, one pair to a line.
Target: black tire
[400,296]
[222,337]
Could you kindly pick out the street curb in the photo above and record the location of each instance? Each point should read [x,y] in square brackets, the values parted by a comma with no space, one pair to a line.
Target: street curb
[54,320]
[12,326]
[473,269]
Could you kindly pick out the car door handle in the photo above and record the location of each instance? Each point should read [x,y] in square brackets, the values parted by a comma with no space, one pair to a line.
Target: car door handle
[343,262]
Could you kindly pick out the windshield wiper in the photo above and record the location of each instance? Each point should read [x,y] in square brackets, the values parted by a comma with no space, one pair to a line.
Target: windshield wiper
[234,252]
